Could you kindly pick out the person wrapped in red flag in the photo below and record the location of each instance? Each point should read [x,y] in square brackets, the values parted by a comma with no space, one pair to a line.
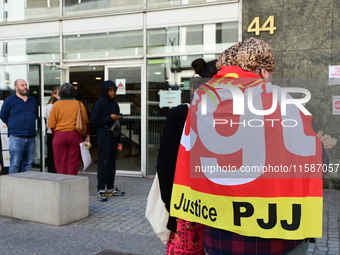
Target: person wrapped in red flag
[249,164]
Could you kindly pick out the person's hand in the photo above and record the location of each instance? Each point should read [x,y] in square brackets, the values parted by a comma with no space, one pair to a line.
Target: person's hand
[327,140]
[87,139]
[120,147]
[115,116]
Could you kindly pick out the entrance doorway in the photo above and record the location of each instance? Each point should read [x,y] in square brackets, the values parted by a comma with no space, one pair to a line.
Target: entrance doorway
[88,81]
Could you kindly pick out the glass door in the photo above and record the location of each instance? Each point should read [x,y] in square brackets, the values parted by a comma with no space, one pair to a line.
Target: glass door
[50,77]
[129,97]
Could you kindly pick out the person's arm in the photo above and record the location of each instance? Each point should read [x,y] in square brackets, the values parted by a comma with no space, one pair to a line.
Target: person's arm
[5,109]
[120,147]
[86,119]
[87,138]
[120,129]
[167,156]
[168,150]
[36,109]
[51,121]
[47,111]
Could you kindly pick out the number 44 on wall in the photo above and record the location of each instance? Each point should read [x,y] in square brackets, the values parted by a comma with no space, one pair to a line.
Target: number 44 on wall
[254,26]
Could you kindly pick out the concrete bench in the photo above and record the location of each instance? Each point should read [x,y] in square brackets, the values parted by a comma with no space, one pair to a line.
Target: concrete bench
[54,199]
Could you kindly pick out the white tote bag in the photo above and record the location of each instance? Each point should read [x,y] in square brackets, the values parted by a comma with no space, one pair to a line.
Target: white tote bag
[156,213]
[85,155]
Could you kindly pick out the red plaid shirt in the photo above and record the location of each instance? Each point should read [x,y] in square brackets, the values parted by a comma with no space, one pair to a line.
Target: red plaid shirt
[223,242]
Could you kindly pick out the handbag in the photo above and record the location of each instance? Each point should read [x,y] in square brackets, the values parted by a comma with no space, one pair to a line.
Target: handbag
[115,128]
[156,212]
[80,123]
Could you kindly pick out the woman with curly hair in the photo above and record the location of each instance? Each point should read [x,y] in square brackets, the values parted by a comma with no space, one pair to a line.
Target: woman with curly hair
[66,139]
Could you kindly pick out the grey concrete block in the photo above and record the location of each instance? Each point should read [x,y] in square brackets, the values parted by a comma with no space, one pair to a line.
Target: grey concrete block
[53,199]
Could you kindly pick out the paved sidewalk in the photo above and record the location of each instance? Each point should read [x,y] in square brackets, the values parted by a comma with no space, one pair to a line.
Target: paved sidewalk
[329,243]
[120,213]
[119,225]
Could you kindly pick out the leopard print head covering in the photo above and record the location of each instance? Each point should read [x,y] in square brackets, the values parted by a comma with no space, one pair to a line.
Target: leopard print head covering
[250,54]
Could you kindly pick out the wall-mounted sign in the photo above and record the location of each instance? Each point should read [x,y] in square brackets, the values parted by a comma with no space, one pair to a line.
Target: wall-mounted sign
[125,108]
[336,105]
[268,25]
[3,127]
[121,86]
[5,142]
[169,98]
[334,75]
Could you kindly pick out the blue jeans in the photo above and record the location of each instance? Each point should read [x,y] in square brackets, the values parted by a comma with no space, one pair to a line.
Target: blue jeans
[21,150]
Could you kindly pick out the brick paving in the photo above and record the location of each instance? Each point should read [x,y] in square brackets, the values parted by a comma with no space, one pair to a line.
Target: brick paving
[120,213]
[125,214]
[329,243]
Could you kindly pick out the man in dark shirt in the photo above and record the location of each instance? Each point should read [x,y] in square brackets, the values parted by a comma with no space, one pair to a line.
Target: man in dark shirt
[20,112]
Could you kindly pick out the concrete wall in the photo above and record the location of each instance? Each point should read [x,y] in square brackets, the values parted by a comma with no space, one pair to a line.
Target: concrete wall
[305,43]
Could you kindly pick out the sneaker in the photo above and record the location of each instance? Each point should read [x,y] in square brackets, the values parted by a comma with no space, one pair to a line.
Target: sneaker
[114,192]
[101,196]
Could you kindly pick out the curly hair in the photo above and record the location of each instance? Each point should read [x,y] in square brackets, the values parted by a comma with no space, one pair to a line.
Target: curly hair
[250,54]
[67,91]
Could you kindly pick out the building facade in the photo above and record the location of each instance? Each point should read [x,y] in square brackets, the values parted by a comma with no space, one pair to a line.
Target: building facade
[145,46]
[305,37]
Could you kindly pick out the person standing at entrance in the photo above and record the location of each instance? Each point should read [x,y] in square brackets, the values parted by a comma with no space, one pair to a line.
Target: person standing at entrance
[105,117]
[20,112]
[66,140]
[53,98]
[186,237]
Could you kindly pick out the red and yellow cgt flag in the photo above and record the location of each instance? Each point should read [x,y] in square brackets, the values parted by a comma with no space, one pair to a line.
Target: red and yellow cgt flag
[252,174]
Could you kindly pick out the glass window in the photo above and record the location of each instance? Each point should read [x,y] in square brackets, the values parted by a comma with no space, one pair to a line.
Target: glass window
[78,7]
[28,10]
[192,38]
[226,33]
[165,74]
[102,45]
[175,39]
[159,3]
[33,49]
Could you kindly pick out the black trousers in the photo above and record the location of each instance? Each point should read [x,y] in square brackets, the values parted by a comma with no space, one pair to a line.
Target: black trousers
[50,157]
[107,154]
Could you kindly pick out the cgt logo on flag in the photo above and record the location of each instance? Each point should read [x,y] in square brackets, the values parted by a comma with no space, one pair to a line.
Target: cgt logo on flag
[217,131]
[220,179]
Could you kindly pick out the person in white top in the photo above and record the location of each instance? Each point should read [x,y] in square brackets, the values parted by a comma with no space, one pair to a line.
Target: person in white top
[50,159]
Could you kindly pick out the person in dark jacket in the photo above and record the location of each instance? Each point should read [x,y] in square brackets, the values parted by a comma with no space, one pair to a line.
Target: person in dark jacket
[186,237]
[171,137]
[20,112]
[105,116]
